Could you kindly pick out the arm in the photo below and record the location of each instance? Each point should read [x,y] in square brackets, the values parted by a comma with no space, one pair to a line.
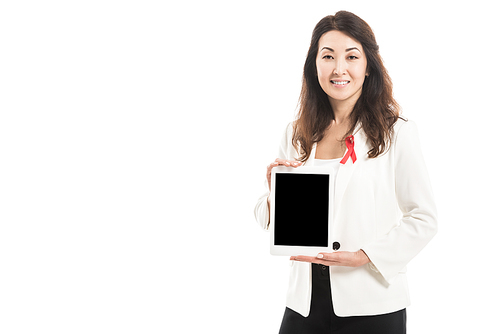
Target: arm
[392,252]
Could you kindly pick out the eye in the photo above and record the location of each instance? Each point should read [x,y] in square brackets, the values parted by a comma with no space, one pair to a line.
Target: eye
[352,57]
[327,57]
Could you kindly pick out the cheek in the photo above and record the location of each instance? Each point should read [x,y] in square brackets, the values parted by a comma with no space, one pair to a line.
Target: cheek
[323,72]
[359,72]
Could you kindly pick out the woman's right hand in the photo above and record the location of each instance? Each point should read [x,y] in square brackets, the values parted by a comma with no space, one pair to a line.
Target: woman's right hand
[280,162]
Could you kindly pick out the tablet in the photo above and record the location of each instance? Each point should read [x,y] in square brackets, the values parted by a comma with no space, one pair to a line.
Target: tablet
[301,210]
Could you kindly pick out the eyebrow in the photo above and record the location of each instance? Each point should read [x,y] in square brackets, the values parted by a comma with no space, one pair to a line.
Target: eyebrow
[346,50]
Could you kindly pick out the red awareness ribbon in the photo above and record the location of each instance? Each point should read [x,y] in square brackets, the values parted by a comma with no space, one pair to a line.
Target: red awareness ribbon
[349,142]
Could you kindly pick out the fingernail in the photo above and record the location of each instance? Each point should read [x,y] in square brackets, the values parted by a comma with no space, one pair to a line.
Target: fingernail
[320,256]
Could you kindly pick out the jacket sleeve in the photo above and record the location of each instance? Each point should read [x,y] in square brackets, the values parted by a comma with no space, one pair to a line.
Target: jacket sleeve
[418,225]
[285,151]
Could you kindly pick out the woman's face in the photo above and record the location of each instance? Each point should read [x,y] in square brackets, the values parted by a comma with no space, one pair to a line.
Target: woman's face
[341,65]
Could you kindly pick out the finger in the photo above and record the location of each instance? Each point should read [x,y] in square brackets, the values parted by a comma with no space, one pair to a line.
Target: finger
[287,163]
[280,162]
[321,257]
[311,259]
[334,257]
[327,256]
[272,165]
[303,258]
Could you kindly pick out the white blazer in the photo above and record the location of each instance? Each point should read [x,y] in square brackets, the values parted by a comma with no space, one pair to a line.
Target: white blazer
[384,206]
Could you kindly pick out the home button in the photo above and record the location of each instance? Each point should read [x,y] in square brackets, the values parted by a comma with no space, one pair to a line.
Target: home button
[336,245]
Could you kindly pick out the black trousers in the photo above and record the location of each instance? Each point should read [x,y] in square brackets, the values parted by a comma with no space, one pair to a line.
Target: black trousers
[322,318]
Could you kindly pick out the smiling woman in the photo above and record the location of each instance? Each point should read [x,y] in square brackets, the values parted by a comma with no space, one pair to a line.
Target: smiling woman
[382,203]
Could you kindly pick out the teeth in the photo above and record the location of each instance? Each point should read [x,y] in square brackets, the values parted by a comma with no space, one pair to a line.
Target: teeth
[340,82]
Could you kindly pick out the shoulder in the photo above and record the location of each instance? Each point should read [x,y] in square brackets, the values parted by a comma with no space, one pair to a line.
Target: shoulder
[404,128]
[401,123]
[288,133]
[406,139]
[287,150]
[289,128]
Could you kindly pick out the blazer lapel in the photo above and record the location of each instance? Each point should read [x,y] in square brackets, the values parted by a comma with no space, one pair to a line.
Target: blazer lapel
[346,170]
[310,161]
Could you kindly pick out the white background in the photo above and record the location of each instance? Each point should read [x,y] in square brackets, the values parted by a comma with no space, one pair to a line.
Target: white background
[134,137]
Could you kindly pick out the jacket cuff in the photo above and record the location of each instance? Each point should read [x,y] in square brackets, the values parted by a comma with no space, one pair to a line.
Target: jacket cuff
[387,270]
[261,212]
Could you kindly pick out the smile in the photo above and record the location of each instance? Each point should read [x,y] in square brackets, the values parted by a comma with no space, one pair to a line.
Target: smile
[341,83]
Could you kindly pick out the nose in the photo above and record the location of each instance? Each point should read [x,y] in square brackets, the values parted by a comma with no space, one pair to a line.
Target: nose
[340,67]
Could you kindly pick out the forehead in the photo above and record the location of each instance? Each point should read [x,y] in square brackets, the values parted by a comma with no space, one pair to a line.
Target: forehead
[338,40]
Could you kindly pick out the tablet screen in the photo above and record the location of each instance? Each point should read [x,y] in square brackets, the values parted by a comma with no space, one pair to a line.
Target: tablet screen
[301,209]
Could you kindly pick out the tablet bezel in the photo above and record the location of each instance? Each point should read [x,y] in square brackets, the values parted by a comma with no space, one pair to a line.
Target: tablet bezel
[300,250]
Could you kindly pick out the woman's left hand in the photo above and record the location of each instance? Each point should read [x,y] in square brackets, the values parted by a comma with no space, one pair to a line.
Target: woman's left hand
[346,259]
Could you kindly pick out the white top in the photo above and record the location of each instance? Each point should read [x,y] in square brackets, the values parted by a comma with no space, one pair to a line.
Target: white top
[333,163]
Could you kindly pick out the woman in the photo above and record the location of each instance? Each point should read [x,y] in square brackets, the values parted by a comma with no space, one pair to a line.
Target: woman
[384,212]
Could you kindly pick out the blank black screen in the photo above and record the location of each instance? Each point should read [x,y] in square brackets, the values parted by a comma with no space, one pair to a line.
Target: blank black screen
[301,209]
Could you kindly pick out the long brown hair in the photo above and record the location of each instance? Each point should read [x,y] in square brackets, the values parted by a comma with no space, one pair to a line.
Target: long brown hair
[376,109]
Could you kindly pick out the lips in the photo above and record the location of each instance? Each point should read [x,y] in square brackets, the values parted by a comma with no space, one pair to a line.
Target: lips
[340,83]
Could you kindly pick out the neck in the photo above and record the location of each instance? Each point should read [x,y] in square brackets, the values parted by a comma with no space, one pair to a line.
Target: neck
[341,111]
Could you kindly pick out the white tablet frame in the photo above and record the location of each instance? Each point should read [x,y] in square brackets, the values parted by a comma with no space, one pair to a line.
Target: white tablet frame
[300,250]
